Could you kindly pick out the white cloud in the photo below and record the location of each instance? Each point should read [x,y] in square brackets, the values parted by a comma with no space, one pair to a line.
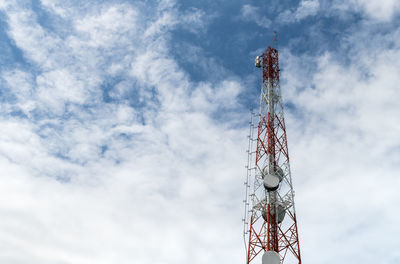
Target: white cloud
[347,140]
[373,10]
[22,85]
[252,13]
[60,86]
[113,24]
[90,181]
[379,10]
[305,9]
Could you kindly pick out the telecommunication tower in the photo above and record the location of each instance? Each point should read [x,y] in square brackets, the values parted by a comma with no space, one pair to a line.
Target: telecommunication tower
[270,225]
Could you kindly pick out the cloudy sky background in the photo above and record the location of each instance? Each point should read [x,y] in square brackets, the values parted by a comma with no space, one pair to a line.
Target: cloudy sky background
[123,128]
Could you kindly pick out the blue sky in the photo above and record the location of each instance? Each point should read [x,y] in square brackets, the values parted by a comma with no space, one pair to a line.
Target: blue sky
[124,123]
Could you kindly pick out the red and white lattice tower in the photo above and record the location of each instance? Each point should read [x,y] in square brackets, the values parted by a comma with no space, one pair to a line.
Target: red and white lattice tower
[270,225]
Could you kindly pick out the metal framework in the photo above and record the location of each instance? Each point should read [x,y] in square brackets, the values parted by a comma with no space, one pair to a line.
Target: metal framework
[270,218]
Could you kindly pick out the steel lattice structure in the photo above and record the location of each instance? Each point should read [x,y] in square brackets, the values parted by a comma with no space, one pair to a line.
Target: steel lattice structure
[270,218]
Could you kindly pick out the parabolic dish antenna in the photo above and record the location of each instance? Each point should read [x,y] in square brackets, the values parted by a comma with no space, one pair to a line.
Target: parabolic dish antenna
[271,257]
[281,213]
[272,180]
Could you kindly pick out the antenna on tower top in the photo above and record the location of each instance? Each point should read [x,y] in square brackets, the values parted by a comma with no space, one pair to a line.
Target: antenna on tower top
[274,42]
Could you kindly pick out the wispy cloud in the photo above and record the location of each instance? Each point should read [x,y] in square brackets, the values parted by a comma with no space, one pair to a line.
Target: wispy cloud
[108,171]
[110,152]
[346,124]
[305,9]
[382,11]
[253,14]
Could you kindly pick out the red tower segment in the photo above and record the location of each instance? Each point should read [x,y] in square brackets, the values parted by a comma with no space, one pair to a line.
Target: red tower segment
[270,217]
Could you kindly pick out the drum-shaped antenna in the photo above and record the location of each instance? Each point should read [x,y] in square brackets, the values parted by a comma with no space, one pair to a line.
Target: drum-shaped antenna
[272,180]
[271,257]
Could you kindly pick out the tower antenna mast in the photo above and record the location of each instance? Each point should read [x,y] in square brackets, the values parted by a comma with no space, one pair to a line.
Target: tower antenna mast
[270,224]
